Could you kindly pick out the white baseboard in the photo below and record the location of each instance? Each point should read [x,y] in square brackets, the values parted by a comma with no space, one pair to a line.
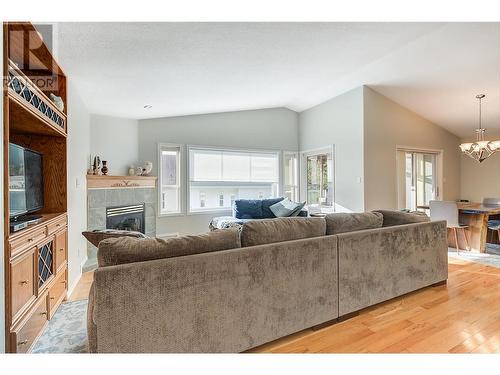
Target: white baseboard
[75,283]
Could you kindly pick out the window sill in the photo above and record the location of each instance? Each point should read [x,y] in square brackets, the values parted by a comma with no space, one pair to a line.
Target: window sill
[225,212]
[171,214]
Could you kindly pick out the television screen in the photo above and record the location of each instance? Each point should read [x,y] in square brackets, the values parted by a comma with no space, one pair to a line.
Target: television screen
[25,180]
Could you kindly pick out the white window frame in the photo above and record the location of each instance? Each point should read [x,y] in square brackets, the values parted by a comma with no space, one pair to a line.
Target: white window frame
[181,176]
[223,211]
[303,170]
[298,177]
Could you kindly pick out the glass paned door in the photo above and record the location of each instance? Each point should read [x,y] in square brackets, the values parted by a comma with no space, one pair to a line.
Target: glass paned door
[319,179]
[417,179]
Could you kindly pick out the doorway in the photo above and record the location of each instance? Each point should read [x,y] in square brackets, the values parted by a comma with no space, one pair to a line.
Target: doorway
[419,180]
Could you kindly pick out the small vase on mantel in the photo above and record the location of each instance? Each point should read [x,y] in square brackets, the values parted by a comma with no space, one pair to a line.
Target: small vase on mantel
[104,168]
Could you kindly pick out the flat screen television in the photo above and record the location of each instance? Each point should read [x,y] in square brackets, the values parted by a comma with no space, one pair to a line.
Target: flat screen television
[25,181]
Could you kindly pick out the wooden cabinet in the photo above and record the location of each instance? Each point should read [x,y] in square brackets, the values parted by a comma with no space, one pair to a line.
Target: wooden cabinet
[57,292]
[25,334]
[25,240]
[61,240]
[35,257]
[22,282]
[38,280]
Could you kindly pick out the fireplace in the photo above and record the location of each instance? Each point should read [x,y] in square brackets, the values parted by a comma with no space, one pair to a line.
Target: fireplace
[131,217]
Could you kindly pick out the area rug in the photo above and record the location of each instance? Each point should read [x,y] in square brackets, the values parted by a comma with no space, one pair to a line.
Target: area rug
[483,258]
[66,331]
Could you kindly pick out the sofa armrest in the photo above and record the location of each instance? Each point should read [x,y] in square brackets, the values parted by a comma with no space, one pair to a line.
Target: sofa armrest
[227,301]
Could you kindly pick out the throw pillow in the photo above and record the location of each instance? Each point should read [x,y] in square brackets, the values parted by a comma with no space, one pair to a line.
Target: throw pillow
[266,203]
[247,209]
[285,208]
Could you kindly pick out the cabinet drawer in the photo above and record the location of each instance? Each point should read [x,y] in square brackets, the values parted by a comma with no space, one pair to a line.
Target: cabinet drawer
[22,281]
[55,225]
[57,292]
[25,335]
[26,240]
[60,248]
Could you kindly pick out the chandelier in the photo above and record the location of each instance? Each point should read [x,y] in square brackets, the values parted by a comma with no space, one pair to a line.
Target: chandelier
[481,149]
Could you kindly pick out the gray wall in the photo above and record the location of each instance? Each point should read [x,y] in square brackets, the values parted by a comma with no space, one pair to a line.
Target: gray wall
[387,125]
[78,156]
[114,139]
[339,122]
[270,129]
[2,254]
[487,172]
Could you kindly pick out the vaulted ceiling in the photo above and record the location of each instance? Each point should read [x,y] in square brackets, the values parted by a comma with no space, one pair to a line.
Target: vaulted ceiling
[434,69]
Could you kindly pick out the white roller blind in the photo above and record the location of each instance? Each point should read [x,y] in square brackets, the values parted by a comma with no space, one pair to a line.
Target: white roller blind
[231,166]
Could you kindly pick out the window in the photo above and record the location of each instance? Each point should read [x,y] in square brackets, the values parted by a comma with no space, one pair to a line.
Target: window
[318,184]
[170,179]
[417,179]
[290,175]
[234,173]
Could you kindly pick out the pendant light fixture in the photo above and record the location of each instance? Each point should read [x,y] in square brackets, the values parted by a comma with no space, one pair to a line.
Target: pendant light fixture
[481,149]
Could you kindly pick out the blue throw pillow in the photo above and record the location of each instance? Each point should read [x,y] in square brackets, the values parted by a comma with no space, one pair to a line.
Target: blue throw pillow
[266,203]
[247,209]
[286,208]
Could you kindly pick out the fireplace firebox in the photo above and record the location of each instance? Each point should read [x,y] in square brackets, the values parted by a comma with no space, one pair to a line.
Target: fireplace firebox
[130,217]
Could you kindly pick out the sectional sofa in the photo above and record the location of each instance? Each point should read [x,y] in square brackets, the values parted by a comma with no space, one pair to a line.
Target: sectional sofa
[227,291]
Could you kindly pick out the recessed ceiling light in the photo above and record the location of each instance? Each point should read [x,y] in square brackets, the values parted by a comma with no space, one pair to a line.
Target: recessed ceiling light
[148,106]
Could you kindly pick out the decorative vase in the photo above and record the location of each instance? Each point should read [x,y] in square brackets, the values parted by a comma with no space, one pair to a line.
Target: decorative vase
[131,171]
[148,167]
[104,168]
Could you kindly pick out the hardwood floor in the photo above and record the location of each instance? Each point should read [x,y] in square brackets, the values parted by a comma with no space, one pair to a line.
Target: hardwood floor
[82,289]
[460,317]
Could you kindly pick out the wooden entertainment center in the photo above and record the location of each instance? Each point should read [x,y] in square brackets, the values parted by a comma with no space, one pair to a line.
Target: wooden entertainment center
[36,271]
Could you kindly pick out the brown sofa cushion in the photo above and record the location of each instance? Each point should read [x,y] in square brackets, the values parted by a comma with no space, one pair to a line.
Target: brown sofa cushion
[129,250]
[259,232]
[350,222]
[392,218]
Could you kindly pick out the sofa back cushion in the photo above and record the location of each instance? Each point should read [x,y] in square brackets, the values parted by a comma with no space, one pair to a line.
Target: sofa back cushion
[129,250]
[247,209]
[350,222]
[265,231]
[392,218]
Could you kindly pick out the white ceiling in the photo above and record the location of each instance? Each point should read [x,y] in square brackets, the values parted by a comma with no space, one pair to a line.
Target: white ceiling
[189,68]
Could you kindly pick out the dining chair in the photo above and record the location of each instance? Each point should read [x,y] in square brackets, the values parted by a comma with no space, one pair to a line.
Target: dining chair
[443,210]
[493,225]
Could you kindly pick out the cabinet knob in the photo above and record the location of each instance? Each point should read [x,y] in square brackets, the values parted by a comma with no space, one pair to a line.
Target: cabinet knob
[61,249]
[22,342]
[43,313]
[30,239]
[52,298]
[24,282]
[58,225]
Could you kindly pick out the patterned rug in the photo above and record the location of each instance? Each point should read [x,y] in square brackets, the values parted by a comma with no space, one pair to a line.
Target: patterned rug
[483,258]
[66,331]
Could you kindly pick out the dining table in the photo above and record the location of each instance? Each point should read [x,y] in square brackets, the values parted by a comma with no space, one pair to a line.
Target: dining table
[475,216]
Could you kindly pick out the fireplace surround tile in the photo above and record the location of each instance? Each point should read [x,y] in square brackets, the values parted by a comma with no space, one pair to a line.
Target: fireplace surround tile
[99,199]
[96,198]
[97,218]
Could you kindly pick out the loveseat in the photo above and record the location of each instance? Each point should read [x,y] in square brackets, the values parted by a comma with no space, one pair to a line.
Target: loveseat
[227,291]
